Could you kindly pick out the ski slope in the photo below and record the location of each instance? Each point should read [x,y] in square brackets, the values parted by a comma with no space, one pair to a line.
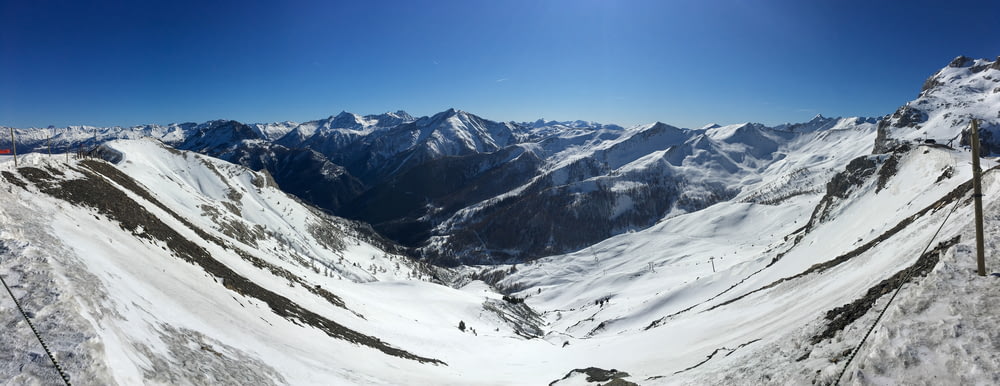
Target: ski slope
[141,314]
[145,315]
[666,304]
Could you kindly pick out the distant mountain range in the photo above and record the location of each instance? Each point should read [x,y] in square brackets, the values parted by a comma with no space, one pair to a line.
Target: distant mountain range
[457,188]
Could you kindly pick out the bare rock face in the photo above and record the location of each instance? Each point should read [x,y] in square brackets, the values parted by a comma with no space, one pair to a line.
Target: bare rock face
[882,140]
[905,116]
[931,83]
[597,375]
[961,61]
[988,144]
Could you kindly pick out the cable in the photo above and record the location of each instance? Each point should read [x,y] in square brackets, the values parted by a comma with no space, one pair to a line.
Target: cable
[62,374]
[893,297]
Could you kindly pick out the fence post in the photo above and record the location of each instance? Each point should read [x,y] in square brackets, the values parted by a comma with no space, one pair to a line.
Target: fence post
[13,146]
[977,194]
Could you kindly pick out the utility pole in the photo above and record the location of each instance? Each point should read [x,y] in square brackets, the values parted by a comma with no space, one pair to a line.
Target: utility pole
[13,145]
[977,195]
[712,260]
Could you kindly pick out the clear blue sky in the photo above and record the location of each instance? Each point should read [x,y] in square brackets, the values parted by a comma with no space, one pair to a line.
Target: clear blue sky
[682,62]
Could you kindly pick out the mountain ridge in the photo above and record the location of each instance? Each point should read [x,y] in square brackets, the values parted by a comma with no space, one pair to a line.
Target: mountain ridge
[342,162]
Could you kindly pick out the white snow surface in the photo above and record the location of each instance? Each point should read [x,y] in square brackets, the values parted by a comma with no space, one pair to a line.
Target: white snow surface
[132,299]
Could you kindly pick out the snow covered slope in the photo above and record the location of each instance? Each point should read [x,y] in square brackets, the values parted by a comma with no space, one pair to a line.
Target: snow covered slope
[751,293]
[172,267]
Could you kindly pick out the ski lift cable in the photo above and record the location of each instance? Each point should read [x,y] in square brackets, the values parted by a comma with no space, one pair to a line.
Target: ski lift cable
[856,349]
[58,368]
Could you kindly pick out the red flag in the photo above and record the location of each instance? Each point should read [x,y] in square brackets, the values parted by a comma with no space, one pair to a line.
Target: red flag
[4,151]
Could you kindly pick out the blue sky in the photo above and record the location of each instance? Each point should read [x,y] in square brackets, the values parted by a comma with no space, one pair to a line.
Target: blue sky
[682,62]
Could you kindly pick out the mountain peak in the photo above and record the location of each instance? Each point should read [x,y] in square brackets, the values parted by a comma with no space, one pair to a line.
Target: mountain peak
[389,119]
[960,61]
[399,114]
[346,120]
[661,127]
[968,86]
[452,112]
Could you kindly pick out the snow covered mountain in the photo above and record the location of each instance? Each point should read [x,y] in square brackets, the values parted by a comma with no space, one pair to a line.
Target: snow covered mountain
[77,138]
[779,285]
[274,131]
[628,182]
[966,89]
[449,185]
[740,254]
[338,133]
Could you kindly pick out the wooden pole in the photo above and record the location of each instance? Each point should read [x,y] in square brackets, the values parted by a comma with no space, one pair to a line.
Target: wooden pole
[977,194]
[13,146]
